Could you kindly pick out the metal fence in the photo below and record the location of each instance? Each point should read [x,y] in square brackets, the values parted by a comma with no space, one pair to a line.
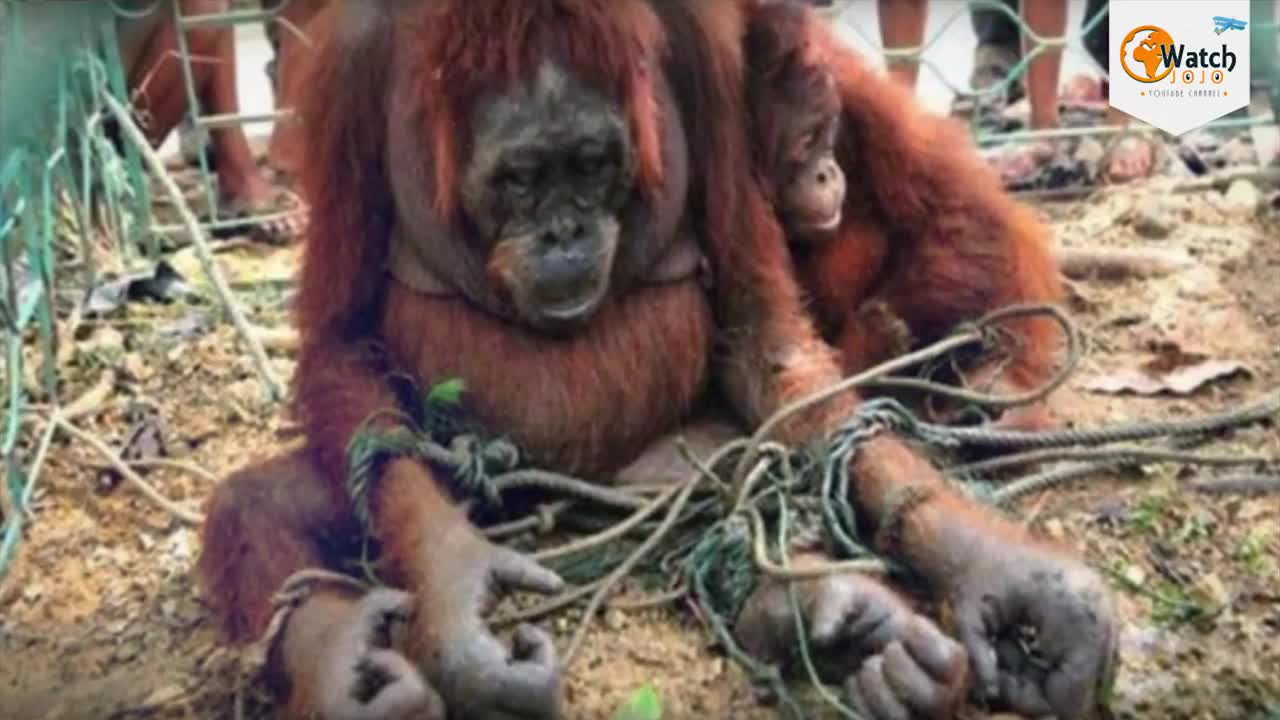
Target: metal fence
[1089,38]
[67,188]
[64,186]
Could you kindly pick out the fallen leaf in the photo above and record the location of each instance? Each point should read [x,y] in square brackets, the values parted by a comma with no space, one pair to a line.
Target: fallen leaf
[643,704]
[1170,370]
[163,696]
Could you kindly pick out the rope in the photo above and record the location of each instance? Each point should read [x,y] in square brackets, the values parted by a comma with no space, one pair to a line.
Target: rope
[982,330]
[1144,430]
[718,547]
[1123,454]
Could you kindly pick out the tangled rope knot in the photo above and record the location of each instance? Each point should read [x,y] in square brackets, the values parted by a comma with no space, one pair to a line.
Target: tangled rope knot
[471,458]
[749,505]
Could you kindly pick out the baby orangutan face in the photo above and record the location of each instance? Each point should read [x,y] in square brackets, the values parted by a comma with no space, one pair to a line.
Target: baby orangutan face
[810,203]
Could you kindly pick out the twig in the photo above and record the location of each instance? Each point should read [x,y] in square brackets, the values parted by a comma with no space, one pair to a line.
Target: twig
[284,339]
[91,399]
[37,464]
[168,463]
[125,471]
[1117,263]
[199,242]
[67,334]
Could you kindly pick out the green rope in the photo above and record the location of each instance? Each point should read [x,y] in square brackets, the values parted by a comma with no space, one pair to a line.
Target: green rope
[472,460]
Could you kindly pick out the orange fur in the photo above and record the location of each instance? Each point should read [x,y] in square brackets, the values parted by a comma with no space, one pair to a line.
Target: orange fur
[928,230]
[588,403]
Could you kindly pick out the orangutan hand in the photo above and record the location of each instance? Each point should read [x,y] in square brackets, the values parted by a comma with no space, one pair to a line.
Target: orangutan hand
[1003,582]
[362,678]
[894,663]
[475,673]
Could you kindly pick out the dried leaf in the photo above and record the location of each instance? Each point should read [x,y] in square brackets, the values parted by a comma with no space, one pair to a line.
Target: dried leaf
[1170,370]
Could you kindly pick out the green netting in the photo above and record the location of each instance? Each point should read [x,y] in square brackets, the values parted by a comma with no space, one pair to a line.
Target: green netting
[59,175]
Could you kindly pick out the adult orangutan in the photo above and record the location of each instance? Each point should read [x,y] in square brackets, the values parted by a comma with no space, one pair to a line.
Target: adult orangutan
[900,230]
[518,194]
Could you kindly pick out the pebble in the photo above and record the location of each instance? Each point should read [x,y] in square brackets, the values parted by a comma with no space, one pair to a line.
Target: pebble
[136,368]
[615,619]
[1242,196]
[1150,224]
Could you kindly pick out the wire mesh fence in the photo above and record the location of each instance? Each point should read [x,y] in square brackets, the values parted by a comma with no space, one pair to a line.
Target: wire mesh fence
[999,26]
[68,193]
[71,190]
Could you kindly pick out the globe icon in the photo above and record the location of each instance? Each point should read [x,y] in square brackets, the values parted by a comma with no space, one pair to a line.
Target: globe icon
[1141,50]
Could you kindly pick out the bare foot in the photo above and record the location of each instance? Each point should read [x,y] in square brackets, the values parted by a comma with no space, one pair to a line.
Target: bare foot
[261,198]
[1084,90]
[1130,158]
[1021,165]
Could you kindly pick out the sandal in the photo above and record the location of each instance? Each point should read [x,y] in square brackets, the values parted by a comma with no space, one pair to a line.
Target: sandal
[285,219]
[1049,164]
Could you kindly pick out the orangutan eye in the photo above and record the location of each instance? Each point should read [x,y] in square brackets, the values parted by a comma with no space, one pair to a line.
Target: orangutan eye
[589,163]
[518,178]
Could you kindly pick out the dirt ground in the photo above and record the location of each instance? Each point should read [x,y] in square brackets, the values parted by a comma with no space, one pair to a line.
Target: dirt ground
[99,616]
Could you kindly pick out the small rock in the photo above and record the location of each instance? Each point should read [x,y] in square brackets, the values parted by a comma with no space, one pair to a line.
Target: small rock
[175,354]
[1053,528]
[135,368]
[1150,224]
[163,696]
[1215,589]
[127,651]
[1242,196]
[1135,575]
[33,592]
[615,619]
[105,339]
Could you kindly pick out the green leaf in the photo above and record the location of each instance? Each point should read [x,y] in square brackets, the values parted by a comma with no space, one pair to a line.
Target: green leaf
[446,392]
[644,704]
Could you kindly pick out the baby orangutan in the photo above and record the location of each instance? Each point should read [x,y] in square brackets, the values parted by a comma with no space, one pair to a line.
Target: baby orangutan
[900,230]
